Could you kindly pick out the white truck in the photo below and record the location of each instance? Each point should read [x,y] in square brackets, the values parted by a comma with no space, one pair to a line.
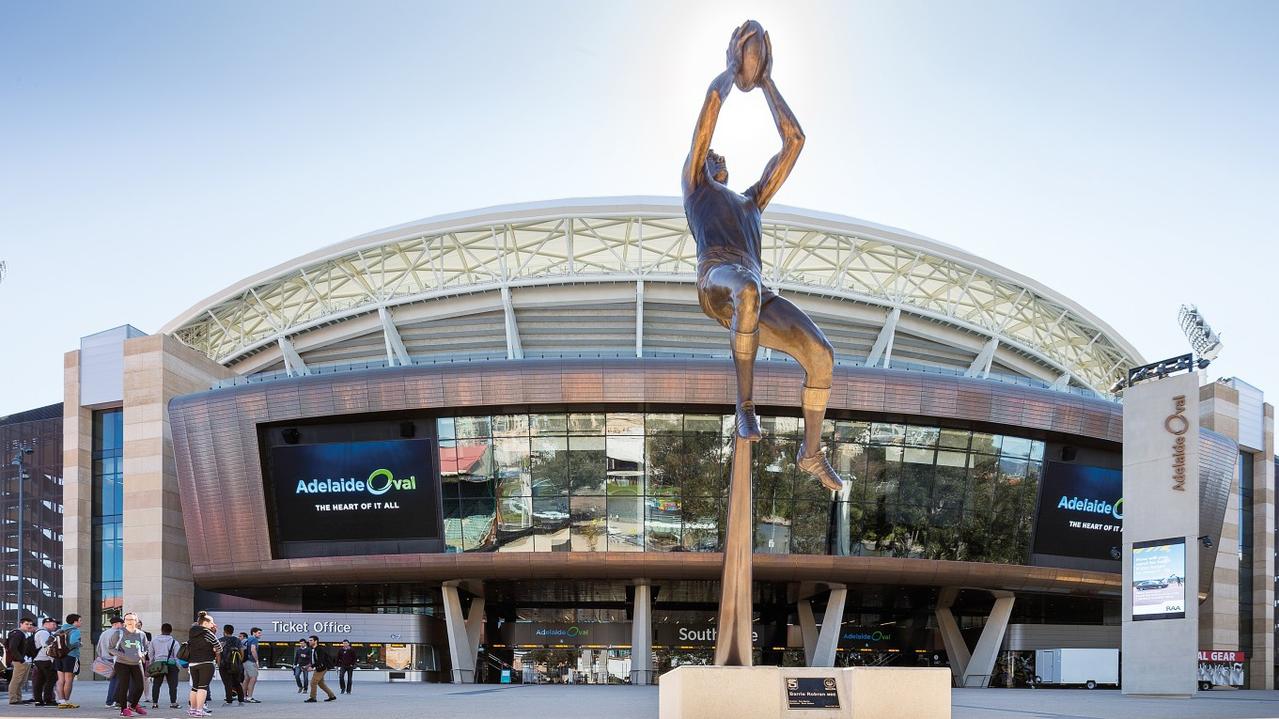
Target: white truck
[1077,667]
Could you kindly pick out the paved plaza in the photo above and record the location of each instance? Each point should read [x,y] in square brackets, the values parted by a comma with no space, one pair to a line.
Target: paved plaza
[450,701]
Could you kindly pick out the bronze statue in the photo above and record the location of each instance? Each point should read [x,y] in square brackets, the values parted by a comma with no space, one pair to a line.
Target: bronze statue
[728,228]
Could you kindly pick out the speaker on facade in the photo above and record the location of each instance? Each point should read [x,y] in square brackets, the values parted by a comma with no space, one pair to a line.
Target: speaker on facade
[408,430]
[291,435]
[1068,453]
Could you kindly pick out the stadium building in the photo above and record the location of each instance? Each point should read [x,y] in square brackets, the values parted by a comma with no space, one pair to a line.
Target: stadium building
[491,446]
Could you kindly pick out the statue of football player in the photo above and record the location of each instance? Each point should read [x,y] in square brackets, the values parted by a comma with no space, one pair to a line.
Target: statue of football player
[728,229]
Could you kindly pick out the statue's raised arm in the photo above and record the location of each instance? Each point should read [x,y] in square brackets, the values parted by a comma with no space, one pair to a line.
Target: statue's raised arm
[778,168]
[695,171]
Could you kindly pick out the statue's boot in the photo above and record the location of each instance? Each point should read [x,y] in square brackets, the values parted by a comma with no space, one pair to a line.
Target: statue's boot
[748,422]
[817,465]
[813,460]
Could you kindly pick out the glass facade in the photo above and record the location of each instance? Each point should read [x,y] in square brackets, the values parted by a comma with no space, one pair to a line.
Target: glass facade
[32,511]
[630,482]
[108,518]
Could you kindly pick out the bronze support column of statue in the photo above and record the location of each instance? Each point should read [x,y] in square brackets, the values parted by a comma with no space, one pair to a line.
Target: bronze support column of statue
[728,228]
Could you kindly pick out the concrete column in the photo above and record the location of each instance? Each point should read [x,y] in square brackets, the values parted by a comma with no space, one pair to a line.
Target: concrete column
[642,634]
[982,663]
[1261,663]
[463,630]
[820,646]
[951,637]
[1219,613]
[77,495]
[807,629]
[157,566]
[1161,502]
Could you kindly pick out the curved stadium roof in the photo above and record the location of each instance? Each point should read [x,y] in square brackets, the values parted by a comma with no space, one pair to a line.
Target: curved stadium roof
[612,276]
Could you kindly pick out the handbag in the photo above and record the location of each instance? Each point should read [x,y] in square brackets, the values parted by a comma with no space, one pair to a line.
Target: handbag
[160,667]
[103,668]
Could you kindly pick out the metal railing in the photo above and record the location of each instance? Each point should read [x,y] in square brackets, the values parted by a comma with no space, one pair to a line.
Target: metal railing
[242,380]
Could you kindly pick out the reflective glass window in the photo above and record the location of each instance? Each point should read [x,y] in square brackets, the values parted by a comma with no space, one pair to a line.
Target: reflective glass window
[588,465]
[548,424]
[588,517]
[549,466]
[662,524]
[586,423]
[625,464]
[624,423]
[625,523]
[551,524]
[511,425]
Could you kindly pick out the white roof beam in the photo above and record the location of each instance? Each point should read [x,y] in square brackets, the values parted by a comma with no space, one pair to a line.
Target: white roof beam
[883,347]
[513,348]
[639,318]
[293,363]
[1062,383]
[396,352]
[981,365]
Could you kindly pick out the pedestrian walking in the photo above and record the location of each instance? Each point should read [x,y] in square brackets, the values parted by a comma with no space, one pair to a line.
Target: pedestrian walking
[102,652]
[46,677]
[129,650]
[346,667]
[164,666]
[231,665]
[21,649]
[251,662]
[65,650]
[319,662]
[202,652]
[301,674]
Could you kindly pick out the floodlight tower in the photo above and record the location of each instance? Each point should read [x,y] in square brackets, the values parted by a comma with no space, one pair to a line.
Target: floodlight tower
[20,452]
[1205,343]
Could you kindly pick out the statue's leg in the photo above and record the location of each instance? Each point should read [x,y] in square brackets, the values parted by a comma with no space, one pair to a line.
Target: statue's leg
[731,295]
[786,328]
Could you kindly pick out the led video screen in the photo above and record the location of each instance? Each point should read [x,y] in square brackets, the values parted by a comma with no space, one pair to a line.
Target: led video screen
[1081,512]
[355,491]
[1159,579]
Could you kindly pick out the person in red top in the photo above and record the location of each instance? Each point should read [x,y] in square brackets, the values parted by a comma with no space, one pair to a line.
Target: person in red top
[346,667]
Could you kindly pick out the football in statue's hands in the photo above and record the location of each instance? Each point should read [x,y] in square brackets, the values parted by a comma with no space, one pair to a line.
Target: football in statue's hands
[752,56]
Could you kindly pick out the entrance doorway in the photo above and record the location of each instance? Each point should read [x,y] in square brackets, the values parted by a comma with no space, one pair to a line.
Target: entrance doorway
[564,665]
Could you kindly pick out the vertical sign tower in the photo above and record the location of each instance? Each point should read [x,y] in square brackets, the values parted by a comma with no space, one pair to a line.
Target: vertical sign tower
[1161,536]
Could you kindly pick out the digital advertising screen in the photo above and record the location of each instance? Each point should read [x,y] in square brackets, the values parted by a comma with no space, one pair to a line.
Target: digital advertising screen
[355,491]
[1081,512]
[1159,579]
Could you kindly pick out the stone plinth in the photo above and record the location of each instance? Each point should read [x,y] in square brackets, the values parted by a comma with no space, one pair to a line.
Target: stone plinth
[710,692]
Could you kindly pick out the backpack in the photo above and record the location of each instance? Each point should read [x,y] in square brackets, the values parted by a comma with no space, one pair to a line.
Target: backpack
[184,652]
[233,656]
[60,644]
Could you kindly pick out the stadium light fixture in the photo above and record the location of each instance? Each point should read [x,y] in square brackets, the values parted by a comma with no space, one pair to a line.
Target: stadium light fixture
[1203,340]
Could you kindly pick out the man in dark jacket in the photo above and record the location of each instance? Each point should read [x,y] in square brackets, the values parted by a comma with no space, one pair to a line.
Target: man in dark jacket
[346,667]
[301,675]
[320,663]
[20,647]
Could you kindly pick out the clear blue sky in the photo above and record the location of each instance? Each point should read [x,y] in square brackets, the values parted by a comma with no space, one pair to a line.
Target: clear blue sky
[152,153]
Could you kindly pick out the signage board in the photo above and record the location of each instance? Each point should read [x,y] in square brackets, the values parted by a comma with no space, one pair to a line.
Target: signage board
[811,693]
[355,491]
[1159,579]
[1081,512]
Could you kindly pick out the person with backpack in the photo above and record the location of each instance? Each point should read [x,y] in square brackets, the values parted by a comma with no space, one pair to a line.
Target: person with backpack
[201,654]
[129,649]
[320,663]
[164,666]
[231,666]
[65,650]
[45,675]
[20,650]
[105,640]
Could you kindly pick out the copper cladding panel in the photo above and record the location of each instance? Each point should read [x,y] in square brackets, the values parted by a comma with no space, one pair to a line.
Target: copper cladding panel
[215,443]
